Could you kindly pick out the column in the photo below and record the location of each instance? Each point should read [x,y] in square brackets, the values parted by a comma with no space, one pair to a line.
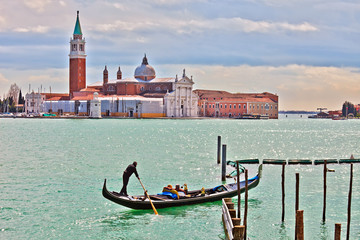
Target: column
[175,100]
[191,106]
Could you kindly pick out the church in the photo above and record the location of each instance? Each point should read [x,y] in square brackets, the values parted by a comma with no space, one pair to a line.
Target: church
[142,96]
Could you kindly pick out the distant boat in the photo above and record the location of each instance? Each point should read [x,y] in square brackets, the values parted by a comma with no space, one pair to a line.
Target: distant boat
[339,118]
[253,116]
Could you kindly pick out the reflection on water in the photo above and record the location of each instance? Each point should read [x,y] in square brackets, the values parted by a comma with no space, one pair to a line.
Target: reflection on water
[324,234]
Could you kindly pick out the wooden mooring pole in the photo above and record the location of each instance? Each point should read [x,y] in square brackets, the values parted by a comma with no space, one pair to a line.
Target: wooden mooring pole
[349,203]
[297,199]
[297,192]
[223,165]
[238,191]
[283,192]
[246,203]
[324,206]
[299,225]
[337,231]
[219,150]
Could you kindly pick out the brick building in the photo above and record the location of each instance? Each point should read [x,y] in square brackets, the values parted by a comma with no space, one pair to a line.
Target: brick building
[214,103]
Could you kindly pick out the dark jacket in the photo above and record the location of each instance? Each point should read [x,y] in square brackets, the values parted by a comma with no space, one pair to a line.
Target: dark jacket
[130,170]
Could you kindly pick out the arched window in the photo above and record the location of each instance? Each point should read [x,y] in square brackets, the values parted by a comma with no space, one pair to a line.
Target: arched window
[111,88]
[266,106]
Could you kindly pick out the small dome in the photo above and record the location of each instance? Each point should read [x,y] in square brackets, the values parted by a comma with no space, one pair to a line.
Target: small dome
[145,71]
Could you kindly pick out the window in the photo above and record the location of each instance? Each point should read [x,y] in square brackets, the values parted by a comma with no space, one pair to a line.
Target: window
[142,89]
[244,106]
[213,106]
[225,106]
[258,106]
[266,106]
[234,105]
[229,105]
[157,89]
[271,106]
[74,48]
[220,105]
[81,47]
[111,88]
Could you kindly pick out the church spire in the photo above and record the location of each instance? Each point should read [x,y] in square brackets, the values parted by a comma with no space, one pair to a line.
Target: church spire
[145,61]
[77,30]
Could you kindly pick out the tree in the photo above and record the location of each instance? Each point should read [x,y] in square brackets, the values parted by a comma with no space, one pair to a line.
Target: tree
[14,92]
[348,108]
[21,98]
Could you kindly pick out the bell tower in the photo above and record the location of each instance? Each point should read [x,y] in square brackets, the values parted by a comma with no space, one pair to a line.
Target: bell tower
[77,56]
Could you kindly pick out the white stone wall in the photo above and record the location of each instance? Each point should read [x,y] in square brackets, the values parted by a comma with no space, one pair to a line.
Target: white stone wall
[95,107]
[182,102]
[34,103]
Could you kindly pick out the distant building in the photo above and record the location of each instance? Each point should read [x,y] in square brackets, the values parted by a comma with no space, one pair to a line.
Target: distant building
[214,103]
[34,103]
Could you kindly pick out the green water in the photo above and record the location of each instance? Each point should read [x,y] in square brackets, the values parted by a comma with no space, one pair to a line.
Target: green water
[52,171]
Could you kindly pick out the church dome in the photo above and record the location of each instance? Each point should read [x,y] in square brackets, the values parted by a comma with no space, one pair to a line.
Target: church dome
[145,71]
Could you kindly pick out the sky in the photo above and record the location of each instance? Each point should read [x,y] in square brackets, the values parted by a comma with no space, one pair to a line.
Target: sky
[305,51]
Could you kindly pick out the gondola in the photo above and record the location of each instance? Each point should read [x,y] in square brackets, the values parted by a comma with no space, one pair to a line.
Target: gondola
[192,197]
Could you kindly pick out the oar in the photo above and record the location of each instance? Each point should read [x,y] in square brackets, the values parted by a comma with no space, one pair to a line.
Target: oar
[147,195]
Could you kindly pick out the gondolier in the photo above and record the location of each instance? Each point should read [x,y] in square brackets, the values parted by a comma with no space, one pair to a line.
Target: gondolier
[126,175]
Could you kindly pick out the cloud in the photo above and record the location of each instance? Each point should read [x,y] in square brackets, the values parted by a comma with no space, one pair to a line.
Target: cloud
[37,29]
[38,5]
[245,25]
[57,78]
[4,85]
[119,6]
[2,20]
[3,79]
[199,25]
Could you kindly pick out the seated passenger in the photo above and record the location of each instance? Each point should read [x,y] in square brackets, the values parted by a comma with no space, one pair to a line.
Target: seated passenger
[169,188]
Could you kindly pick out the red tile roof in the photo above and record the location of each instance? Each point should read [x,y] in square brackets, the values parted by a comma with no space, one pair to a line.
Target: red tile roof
[56,96]
[226,96]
